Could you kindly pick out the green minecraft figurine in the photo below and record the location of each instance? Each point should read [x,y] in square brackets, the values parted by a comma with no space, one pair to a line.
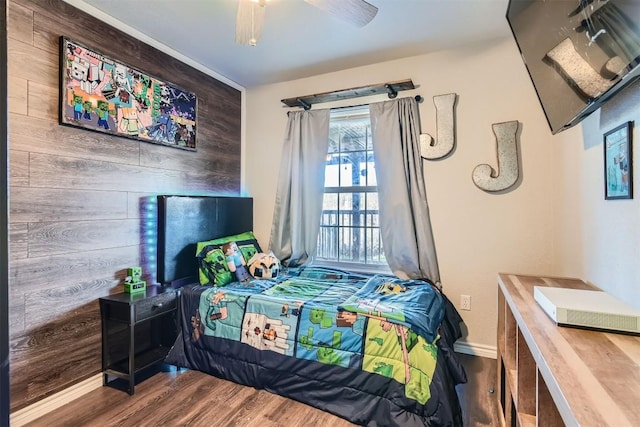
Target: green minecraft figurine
[133,282]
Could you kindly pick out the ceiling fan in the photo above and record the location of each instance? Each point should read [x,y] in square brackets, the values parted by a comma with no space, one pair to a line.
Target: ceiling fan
[250,17]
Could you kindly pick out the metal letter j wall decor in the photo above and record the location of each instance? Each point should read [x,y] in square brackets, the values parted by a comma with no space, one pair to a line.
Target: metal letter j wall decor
[445,129]
[484,177]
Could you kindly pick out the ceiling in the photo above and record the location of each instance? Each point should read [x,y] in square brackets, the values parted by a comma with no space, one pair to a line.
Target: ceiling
[298,40]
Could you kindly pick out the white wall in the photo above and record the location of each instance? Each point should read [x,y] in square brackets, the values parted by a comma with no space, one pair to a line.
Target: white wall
[477,234]
[595,239]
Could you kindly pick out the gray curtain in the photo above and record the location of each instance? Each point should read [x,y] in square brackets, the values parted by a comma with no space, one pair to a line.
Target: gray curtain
[404,214]
[296,218]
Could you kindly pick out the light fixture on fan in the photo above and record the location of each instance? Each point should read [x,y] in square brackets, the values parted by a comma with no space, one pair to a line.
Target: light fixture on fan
[249,21]
[250,17]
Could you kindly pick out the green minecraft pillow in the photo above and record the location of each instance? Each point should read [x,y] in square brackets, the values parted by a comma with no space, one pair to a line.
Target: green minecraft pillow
[214,263]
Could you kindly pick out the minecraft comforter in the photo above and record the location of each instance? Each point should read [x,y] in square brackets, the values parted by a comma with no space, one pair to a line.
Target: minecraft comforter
[375,350]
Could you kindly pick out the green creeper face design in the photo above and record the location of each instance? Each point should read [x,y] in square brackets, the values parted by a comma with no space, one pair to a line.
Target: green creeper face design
[328,355]
[316,315]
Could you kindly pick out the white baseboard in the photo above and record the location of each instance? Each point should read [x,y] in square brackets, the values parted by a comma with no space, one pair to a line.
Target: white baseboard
[476,349]
[48,404]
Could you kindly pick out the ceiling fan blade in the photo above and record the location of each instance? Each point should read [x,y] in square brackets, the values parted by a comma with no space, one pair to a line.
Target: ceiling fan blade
[249,22]
[355,12]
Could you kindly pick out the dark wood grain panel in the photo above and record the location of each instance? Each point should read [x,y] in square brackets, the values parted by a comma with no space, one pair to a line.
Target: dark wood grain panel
[155,156]
[53,238]
[191,398]
[59,336]
[16,317]
[56,18]
[43,36]
[74,173]
[28,62]
[171,417]
[143,205]
[35,274]
[228,98]
[253,404]
[97,188]
[47,136]
[477,397]
[47,204]
[219,121]
[45,40]
[113,406]
[17,95]
[53,18]
[211,142]
[19,172]
[43,101]
[47,305]
[215,183]
[16,308]
[55,355]
[18,244]
[20,23]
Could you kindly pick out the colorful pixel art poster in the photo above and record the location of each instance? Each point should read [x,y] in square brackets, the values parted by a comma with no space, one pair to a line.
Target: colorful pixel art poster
[101,94]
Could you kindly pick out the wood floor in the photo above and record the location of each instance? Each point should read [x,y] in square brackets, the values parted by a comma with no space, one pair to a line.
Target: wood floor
[191,398]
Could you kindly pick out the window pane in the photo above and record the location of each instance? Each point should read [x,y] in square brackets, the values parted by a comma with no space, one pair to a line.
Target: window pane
[346,172]
[328,236]
[371,206]
[329,209]
[368,169]
[350,227]
[332,175]
[355,169]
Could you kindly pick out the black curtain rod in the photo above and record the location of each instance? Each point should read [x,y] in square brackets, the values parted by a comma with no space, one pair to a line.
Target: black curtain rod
[418,99]
[391,89]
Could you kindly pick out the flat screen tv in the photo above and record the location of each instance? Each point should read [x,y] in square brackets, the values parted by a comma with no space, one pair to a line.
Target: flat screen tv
[578,53]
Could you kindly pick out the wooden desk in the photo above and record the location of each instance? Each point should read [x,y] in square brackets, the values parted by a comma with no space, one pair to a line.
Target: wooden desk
[552,375]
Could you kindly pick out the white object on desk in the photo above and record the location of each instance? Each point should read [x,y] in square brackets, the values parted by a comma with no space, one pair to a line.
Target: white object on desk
[588,309]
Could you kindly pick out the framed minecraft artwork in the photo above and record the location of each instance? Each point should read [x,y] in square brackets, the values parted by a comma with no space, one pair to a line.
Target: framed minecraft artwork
[101,94]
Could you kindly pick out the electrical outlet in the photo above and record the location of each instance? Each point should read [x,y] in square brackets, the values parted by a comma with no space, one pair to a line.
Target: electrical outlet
[465,302]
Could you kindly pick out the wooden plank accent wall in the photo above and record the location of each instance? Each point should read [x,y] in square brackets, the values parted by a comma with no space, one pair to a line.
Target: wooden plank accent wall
[77,197]
[4,219]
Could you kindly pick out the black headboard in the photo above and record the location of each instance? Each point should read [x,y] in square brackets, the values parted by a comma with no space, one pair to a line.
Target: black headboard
[185,220]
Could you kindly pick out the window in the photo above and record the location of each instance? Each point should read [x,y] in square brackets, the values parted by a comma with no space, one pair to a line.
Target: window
[350,227]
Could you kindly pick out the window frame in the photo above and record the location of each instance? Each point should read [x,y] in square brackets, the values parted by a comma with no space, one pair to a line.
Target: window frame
[364,267]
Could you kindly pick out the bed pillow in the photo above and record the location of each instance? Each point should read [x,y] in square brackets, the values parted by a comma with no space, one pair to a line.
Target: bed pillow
[264,266]
[212,261]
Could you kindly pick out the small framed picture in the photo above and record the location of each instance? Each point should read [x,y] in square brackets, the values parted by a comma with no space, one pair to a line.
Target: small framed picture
[618,167]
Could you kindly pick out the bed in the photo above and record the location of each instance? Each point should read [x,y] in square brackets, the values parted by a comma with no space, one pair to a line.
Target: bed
[372,349]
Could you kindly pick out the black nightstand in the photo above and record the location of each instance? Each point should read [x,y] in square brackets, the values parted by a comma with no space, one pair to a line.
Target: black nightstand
[137,332]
